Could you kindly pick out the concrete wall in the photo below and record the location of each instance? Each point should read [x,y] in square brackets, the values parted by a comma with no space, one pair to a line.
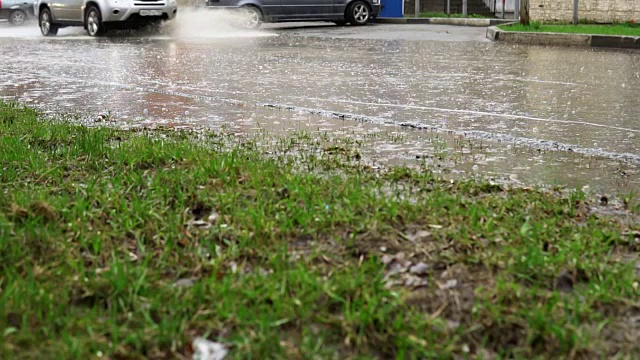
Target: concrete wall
[603,11]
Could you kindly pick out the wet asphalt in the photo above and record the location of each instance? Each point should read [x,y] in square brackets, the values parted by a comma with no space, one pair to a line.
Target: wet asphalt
[533,114]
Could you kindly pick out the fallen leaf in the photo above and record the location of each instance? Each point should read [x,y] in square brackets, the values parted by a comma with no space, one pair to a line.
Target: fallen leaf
[200,224]
[387,259]
[414,281]
[418,341]
[213,217]
[184,283]
[421,235]
[16,212]
[44,210]
[102,270]
[419,268]
[132,256]
[204,349]
[450,284]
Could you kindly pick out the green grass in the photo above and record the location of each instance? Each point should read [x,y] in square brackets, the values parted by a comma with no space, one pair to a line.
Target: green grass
[615,29]
[456,16]
[285,251]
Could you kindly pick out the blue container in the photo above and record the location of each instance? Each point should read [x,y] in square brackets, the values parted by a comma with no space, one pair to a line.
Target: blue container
[392,9]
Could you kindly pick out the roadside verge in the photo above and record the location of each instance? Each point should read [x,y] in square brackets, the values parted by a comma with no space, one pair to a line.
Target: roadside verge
[166,242]
[563,39]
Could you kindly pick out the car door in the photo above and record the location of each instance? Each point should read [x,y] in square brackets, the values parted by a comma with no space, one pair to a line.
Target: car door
[271,8]
[76,10]
[339,6]
[303,9]
[66,10]
[58,10]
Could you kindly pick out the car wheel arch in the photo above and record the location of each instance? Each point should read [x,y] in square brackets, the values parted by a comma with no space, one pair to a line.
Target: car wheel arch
[89,4]
[43,6]
[348,6]
[251,3]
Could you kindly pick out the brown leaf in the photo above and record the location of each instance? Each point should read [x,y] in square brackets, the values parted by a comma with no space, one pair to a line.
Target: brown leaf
[44,210]
[17,213]
[220,274]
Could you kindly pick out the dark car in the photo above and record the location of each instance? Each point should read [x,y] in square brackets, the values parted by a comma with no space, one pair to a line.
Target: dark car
[355,12]
[16,11]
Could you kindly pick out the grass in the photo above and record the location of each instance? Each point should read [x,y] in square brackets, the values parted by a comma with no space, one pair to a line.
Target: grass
[127,245]
[445,15]
[627,29]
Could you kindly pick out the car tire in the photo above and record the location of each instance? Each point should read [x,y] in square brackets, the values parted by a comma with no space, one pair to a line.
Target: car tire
[252,17]
[45,21]
[359,13]
[93,22]
[17,17]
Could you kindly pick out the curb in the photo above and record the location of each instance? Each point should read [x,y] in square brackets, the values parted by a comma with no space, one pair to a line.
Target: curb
[563,39]
[444,21]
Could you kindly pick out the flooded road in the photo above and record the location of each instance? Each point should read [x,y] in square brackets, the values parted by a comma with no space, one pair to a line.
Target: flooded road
[563,116]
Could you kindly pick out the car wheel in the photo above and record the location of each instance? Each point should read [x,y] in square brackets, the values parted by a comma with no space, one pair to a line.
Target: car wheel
[93,22]
[47,27]
[252,17]
[17,17]
[358,13]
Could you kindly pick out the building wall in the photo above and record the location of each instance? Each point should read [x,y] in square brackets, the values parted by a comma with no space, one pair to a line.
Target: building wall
[440,6]
[603,11]
[509,5]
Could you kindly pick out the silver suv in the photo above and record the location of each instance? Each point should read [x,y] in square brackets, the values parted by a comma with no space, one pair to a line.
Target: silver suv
[98,16]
